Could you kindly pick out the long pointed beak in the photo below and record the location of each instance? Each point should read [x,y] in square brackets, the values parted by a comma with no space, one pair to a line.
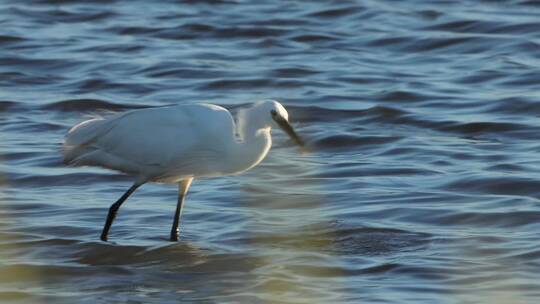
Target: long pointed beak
[286,126]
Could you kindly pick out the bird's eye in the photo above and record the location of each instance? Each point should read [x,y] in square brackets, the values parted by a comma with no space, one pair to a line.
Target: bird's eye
[273,112]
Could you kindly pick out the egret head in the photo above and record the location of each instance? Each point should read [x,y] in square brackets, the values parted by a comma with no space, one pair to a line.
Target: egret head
[269,114]
[280,118]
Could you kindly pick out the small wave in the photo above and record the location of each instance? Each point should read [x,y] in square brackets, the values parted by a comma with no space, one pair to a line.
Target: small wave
[532,254]
[368,79]
[378,241]
[211,2]
[87,105]
[506,168]
[6,105]
[6,39]
[384,112]
[312,114]
[93,85]
[33,63]
[464,26]
[379,269]
[390,41]
[343,141]
[197,27]
[357,241]
[337,12]
[430,14]
[113,48]
[522,80]
[185,73]
[487,219]
[515,105]
[19,78]
[486,27]
[497,185]
[62,15]
[248,32]
[474,128]
[237,84]
[519,28]
[192,31]
[403,96]
[278,22]
[132,30]
[313,38]
[481,76]
[57,2]
[293,72]
[437,43]
[351,172]
[532,3]
[14,156]
[73,179]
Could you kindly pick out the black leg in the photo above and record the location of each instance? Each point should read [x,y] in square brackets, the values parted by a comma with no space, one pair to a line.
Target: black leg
[114,208]
[182,190]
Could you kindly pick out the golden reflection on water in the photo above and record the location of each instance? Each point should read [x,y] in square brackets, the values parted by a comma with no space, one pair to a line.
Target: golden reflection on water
[495,284]
[12,273]
[287,216]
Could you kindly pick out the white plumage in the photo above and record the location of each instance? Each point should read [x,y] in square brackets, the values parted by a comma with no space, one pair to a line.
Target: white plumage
[176,143]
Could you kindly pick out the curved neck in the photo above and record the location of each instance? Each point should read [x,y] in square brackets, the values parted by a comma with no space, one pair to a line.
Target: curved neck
[251,149]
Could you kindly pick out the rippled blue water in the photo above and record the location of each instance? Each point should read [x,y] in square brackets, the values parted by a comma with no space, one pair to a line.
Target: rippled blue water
[422,186]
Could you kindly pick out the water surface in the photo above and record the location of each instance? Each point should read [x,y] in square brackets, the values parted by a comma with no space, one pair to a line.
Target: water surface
[422,185]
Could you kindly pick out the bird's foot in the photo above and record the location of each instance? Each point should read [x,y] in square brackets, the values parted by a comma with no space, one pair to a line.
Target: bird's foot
[174,236]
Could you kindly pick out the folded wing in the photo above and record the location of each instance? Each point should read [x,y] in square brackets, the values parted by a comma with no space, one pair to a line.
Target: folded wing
[151,142]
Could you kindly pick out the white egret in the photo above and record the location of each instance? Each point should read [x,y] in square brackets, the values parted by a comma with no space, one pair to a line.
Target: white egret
[175,145]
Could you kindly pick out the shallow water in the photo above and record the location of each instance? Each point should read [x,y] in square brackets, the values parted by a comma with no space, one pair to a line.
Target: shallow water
[422,185]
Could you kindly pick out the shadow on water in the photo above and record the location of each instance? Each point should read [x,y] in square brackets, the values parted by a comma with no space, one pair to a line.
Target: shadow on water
[123,272]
